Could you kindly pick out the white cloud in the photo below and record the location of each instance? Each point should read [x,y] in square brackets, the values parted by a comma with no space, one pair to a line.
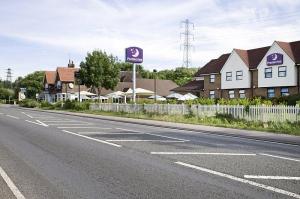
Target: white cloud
[75,27]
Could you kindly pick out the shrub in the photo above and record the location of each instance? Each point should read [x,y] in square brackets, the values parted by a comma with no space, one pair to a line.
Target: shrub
[29,103]
[47,105]
[69,104]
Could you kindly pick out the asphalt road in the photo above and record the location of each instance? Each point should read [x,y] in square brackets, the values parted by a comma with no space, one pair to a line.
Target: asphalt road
[48,155]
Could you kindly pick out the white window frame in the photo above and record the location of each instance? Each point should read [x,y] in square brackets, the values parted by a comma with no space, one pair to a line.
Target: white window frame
[231,94]
[268,93]
[284,93]
[242,94]
[212,94]
[228,77]
[212,78]
[269,72]
[280,71]
[239,75]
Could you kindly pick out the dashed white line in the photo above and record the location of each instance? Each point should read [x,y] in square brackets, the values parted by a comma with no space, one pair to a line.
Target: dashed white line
[11,185]
[37,122]
[163,136]
[274,189]
[145,140]
[104,133]
[75,124]
[1,113]
[27,114]
[12,117]
[280,157]
[271,177]
[78,127]
[97,140]
[201,153]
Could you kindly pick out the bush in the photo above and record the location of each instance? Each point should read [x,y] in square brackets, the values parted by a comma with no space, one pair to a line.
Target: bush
[69,104]
[29,103]
[47,105]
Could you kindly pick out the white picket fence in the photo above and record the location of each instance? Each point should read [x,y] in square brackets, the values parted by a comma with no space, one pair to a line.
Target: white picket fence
[252,113]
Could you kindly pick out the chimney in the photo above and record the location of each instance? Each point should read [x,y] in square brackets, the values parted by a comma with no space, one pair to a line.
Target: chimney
[71,64]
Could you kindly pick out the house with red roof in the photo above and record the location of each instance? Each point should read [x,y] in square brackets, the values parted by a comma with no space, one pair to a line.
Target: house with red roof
[270,71]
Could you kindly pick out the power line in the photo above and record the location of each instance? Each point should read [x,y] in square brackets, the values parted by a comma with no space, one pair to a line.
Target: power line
[187,42]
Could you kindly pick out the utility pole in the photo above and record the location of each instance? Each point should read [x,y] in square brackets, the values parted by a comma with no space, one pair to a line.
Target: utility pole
[187,42]
[8,77]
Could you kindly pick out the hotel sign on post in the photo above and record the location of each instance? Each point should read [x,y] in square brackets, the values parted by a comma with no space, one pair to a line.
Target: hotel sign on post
[274,59]
[134,55]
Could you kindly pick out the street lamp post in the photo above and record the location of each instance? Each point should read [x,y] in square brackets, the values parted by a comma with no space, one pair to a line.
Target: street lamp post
[155,94]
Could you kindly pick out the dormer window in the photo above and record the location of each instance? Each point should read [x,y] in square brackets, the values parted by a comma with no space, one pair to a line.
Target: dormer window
[46,86]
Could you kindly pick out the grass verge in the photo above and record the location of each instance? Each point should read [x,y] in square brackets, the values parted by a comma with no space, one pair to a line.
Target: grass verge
[218,121]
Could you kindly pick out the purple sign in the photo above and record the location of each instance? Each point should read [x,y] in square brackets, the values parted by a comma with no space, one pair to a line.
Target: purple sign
[274,59]
[134,55]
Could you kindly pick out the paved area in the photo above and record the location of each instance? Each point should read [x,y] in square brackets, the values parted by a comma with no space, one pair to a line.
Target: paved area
[49,155]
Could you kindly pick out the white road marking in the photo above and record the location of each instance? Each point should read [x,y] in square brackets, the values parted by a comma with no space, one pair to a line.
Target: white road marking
[58,121]
[12,117]
[75,124]
[104,133]
[163,136]
[78,127]
[38,123]
[27,114]
[280,157]
[1,113]
[43,124]
[145,140]
[201,153]
[274,189]
[272,177]
[129,130]
[231,136]
[11,185]
[101,141]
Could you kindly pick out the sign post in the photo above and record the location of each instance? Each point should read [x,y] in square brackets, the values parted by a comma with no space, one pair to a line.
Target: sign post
[134,55]
[77,76]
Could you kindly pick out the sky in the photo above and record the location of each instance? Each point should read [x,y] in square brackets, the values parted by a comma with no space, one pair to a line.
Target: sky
[43,34]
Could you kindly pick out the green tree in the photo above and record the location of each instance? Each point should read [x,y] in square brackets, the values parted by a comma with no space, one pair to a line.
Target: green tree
[100,70]
[32,82]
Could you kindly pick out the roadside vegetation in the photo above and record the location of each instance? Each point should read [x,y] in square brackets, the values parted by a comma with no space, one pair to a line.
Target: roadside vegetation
[218,120]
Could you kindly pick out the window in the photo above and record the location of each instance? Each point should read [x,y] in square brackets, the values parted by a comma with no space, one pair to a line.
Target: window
[271,92]
[284,91]
[282,71]
[239,75]
[268,72]
[212,94]
[231,94]
[212,78]
[242,93]
[228,76]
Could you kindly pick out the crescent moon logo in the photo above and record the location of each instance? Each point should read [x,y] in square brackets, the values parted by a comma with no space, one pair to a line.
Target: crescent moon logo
[136,53]
[275,57]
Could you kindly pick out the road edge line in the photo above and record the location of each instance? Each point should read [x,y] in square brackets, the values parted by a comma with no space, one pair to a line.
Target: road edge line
[11,184]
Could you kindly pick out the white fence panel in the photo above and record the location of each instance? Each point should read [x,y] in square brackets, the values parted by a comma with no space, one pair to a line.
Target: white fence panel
[251,113]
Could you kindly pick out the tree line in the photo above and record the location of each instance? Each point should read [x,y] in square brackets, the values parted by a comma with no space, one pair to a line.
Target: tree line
[99,70]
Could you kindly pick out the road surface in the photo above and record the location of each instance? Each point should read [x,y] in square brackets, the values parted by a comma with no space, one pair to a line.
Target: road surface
[49,155]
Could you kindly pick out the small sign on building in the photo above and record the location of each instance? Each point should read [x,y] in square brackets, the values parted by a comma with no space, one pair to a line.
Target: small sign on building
[274,59]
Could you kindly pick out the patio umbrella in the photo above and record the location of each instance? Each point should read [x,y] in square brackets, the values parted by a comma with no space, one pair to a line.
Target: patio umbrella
[187,96]
[174,95]
[140,91]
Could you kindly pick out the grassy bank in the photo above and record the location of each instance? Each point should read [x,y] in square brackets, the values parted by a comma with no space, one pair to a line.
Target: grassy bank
[219,120]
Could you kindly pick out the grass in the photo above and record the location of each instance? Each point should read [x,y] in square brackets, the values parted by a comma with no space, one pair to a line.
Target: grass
[218,121]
